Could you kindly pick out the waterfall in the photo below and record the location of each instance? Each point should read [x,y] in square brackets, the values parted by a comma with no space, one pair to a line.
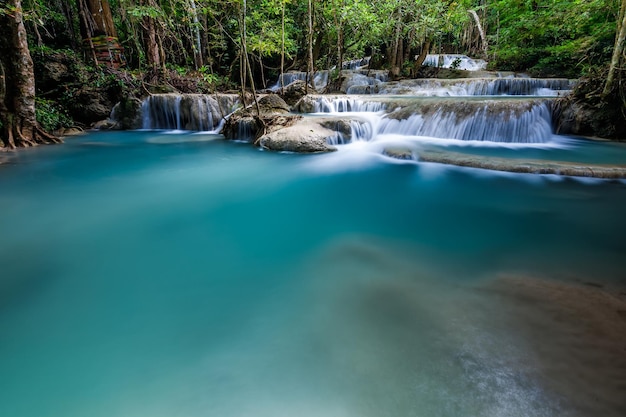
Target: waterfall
[345,104]
[320,78]
[359,83]
[356,64]
[470,87]
[197,112]
[359,130]
[518,87]
[455,61]
[515,122]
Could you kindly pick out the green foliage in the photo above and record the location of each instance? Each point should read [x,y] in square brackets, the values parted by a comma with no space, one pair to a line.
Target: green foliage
[556,37]
[50,116]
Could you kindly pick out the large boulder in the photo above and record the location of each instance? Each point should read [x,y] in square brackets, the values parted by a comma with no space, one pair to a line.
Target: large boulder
[295,91]
[272,103]
[587,118]
[305,105]
[127,114]
[89,106]
[246,124]
[305,137]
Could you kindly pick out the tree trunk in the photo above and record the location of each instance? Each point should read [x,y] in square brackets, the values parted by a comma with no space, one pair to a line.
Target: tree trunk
[618,50]
[96,20]
[282,49]
[152,46]
[310,67]
[102,18]
[483,37]
[395,69]
[422,57]
[197,53]
[246,60]
[17,84]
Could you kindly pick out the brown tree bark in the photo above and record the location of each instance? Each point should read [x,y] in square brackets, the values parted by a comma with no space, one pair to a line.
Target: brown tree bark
[618,50]
[96,20]
[310,65]
[155,57]
[99,19]
[17,84]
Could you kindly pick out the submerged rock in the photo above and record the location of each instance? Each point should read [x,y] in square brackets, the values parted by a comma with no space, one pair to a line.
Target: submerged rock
[68,131]
[527,166]
[399,153]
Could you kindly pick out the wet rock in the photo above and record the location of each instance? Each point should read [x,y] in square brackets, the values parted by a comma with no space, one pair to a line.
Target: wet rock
[342,126]
[305,105]
[69,131]
[90,106]
[241,126]
[106,124]
[399,153]
[528,166]
[304,137]
[585,119]
[273,104]
[295,91]
[127,113]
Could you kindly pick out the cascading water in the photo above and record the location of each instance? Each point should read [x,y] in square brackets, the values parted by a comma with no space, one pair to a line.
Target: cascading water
[197,112]
[344,104]
[505,121]
[468,87]
[455,61]
[320,78]
[512,123]
[356,64]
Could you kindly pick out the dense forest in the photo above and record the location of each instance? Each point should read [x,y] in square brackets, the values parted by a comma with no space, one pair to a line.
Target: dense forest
[79,51]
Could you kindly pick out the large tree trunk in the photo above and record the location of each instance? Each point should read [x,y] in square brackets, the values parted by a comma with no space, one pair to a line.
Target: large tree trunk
[17,84]
[395,69]
[618,50]
[483,38]
[98,31]
[197,50]
[310,66]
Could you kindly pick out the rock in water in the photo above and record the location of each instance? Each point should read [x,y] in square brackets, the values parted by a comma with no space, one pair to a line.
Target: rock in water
[127,114]
[273,104]
[399,153]
[303,137]
[295,91]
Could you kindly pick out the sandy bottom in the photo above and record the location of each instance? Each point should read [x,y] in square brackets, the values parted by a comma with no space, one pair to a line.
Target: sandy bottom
[577,336]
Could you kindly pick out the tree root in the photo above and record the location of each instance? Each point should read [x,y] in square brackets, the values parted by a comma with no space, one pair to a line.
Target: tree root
[16,137]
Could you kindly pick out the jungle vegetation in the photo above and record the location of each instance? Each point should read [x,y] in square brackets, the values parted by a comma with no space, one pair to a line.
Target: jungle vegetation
[238,44]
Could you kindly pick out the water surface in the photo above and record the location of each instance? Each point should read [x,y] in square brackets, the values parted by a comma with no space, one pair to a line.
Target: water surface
[155,274]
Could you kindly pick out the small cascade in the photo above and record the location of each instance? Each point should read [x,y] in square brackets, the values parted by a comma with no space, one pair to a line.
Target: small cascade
[471,87]
[246,129]
[455,61]
[197,112]
[345,104]
[519,87]
[361,130]
[356,64]
[360,83]
[320,78]
[511,122]
[357,131]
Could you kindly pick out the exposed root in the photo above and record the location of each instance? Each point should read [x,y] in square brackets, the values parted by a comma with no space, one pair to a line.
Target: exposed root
[17,137]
